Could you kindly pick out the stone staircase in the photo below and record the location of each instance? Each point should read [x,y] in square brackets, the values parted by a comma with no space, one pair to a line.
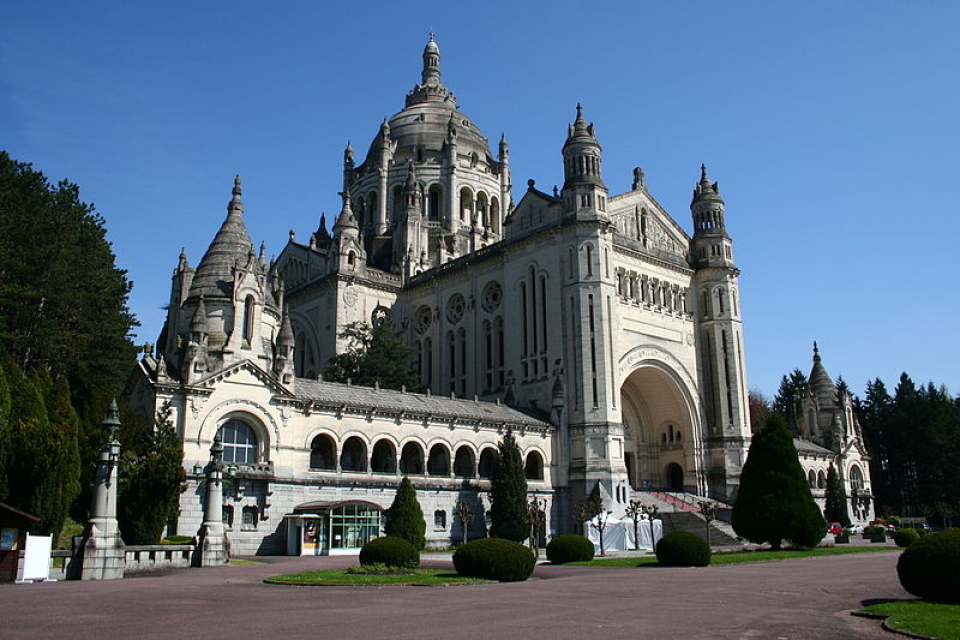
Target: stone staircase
[680,512]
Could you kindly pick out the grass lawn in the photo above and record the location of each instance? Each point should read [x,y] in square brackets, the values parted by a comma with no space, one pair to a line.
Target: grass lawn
[737,557]
[420,577]
[243,562]
[921,617]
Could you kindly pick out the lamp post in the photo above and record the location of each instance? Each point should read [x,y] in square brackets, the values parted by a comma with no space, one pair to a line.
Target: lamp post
[708,509]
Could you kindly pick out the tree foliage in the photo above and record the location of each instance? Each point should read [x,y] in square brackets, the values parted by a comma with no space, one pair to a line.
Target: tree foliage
[63,301]
[914,440]
[835,509]
[374,355]
[774,502]
[151,481]
[39,463]
[63,309]
[789,394]
[509,512]
[405,517]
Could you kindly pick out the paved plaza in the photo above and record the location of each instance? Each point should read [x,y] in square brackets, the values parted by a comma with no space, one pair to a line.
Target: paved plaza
[793,599]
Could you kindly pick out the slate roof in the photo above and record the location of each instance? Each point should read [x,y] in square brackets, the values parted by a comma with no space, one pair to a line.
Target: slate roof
[805,446]
[385,399]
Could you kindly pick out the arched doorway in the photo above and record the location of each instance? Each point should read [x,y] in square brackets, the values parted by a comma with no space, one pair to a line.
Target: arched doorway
[660,433]
[674,477]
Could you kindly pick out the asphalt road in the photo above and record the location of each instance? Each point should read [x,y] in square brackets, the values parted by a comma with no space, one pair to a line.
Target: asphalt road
[808,598]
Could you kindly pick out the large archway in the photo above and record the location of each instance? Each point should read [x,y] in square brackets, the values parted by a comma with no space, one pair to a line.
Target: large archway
[660,434]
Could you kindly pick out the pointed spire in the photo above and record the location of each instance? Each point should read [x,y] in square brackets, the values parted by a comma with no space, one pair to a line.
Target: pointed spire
[345,220]
[348,155]
[183,264]
[704,189]
[285,337]
[236,203]
[198,323]
[431,62]
[231,245]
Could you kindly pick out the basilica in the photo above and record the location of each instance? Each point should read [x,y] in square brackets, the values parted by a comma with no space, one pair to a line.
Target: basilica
[591,325]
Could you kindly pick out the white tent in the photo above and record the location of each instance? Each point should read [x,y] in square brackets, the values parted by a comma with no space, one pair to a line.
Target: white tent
[618,534]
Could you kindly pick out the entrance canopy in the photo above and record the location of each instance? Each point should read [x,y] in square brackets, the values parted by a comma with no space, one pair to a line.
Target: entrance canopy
[319,506]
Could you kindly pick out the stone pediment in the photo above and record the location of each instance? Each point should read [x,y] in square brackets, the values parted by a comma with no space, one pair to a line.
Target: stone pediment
[251,372]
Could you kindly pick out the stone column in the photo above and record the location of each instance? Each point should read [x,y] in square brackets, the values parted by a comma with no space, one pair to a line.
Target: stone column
[102,551]
[213,547]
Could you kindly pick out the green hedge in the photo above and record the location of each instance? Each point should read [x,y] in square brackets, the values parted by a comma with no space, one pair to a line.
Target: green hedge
[683,549]
[390,551]
[929,567]
[494,559]
[905,537]
[569,548]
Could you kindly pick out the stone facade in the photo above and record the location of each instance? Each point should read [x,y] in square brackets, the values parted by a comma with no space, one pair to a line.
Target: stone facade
[592,325]
[827,433]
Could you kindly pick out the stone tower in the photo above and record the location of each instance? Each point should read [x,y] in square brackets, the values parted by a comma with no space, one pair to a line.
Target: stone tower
[719,339]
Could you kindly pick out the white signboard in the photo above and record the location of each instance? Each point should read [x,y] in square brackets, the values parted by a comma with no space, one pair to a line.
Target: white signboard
[36,561]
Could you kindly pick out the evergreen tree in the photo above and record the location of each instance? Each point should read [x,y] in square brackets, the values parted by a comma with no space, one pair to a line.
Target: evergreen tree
[509,514]
[789,395]
[374,356]
[774,502]
[835,509]
[405,517]
[37,474]
[151,481]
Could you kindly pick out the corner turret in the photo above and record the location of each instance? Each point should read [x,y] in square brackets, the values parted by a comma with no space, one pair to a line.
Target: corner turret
[583,189]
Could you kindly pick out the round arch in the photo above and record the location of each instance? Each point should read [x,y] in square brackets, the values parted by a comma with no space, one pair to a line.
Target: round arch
[661,429]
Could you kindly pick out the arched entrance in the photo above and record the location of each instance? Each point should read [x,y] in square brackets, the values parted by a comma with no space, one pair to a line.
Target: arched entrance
[659,430]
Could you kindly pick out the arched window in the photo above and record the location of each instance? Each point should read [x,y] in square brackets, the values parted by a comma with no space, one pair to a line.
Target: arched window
[488,462]
[397,202]
[495,215]
[440,519]
[434,202]
[384,458]
[227,516]
[463,464]
[439,462]
[353,456]
[247,321]
[239,442]
[466,206]
[812,479]
[483,216]
[821,480]
[856,478]
[534,466]
[411,459]
[323,454]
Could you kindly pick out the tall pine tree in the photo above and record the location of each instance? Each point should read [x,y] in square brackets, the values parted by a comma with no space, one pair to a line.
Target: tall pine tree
[774,503]
[509,512]
[835,509]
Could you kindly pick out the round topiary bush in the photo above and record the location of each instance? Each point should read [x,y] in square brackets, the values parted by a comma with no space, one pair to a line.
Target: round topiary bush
[569,548]
[494,559]
[683,549]
[905,537]
[390,551]
[929,567]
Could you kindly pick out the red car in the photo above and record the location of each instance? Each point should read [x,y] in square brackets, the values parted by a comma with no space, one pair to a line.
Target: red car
[835,528]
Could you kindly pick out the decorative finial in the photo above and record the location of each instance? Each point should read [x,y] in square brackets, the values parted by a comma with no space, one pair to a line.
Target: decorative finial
[237,191]
[703,172]
[431,35]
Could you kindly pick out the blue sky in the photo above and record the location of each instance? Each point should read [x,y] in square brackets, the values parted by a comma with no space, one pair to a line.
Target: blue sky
[831,127]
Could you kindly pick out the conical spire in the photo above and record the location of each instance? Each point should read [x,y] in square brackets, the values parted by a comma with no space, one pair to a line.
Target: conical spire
[214,275]
[705,190]
[348,155]
[345,220]
[198,323]
[820,382]
[285,337]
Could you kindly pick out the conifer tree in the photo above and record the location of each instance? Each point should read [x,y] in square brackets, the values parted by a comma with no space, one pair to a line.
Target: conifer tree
[151,479]
[774,502]
[375,356]
[405,517]
[509,514]
[835,509]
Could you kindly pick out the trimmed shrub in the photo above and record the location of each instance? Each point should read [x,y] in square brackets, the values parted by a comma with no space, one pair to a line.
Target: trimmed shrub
[929,567]
[405,517]
[683,549]
[390,551]
[905,537]
[494,559]
[569,548]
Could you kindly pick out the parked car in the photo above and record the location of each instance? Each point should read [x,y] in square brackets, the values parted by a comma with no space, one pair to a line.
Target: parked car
[855,528]
[835,528]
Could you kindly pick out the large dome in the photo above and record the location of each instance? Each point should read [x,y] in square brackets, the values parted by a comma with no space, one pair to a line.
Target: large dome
[430,117]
